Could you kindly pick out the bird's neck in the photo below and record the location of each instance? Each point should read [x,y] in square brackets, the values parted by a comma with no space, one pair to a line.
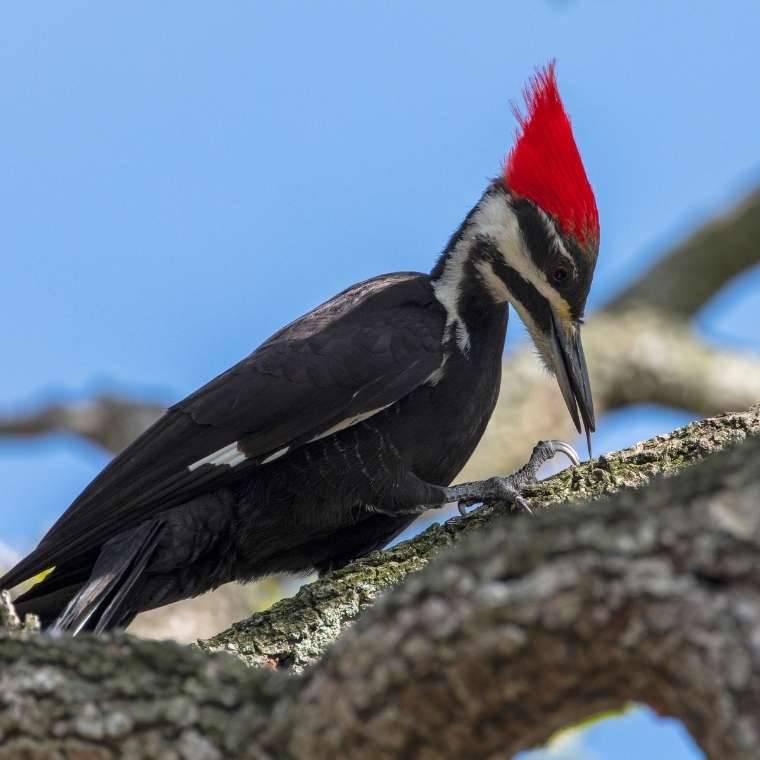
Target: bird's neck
[474,298]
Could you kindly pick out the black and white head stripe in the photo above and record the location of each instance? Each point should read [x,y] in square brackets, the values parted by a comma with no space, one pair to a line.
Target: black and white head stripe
[550,251]
[520,256]
[556,242]
[525,296]
[521,240]
[491,223]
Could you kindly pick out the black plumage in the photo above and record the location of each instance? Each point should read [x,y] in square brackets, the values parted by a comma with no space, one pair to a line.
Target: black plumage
[327,440]
[153,531]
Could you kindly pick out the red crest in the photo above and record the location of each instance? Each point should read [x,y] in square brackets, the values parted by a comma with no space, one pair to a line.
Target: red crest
[545,166]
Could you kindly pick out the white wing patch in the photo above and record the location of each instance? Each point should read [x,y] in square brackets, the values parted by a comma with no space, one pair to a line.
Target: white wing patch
[232,456]
[276,455]
[229,455]
[348,422]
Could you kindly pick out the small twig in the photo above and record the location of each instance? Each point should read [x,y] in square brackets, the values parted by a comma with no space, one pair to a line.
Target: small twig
[10,621]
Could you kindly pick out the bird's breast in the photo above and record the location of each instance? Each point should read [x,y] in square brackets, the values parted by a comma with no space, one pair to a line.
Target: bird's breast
[437,427]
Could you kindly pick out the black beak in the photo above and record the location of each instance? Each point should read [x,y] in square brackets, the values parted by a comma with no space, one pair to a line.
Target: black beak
[572,377]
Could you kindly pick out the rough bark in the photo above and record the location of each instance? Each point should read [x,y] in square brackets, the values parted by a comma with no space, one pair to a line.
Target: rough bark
[649,594]
[295,631]
[653,597]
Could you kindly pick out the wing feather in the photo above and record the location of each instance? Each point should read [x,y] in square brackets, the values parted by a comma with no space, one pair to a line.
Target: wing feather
[364,350]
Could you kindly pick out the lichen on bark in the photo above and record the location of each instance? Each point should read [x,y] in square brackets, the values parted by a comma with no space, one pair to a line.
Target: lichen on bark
[496,639]
[294,632]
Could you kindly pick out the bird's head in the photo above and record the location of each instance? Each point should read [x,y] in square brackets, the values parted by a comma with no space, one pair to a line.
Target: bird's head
[541,227]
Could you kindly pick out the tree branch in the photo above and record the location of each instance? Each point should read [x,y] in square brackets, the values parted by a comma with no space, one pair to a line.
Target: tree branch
[110,422]
[650,595]
[294,632]
[684,280]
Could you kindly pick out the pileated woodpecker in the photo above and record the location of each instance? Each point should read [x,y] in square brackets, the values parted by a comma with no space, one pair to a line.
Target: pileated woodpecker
[328,440]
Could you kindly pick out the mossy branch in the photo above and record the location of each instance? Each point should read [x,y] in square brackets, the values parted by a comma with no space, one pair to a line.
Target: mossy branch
[650,594]
[295,631]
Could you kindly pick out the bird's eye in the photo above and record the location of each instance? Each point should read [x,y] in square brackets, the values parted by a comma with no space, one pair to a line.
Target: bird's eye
[560,275]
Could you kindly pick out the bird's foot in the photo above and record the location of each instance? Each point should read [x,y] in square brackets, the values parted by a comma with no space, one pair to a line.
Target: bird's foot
[497,488]
[508,488]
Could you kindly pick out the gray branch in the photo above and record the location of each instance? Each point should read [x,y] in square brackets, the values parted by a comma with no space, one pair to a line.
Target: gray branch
[295,631]
[111,423]
[650,595]
[682,282]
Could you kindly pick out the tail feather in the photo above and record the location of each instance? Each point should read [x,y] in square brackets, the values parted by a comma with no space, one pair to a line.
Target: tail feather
[46,606]
[49,596]
[100,603]
[114,612]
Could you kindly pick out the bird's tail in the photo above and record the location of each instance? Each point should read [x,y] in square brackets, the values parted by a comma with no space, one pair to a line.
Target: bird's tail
[49,596]
[98,599]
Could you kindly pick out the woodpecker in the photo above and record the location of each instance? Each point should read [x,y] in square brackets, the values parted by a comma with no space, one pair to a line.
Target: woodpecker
[326,442]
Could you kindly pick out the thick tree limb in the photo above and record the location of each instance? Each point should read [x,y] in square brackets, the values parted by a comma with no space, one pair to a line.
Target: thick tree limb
[295,632]
[650,595]
[684,280]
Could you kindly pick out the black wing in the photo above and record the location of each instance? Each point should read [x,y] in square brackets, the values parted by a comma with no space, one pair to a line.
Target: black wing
[365,349]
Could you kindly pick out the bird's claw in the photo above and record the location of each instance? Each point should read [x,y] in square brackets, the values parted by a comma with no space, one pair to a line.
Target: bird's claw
[560,447]
[508,488]
[523,504]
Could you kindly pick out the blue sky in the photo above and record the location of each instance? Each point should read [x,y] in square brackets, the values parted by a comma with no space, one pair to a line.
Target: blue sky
[180,179]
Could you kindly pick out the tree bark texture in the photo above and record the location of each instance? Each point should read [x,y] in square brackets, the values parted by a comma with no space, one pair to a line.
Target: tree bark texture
[639,580]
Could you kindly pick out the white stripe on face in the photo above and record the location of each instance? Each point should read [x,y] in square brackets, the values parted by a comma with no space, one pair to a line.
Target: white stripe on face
[496,286]
[554,236]
[496,219]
